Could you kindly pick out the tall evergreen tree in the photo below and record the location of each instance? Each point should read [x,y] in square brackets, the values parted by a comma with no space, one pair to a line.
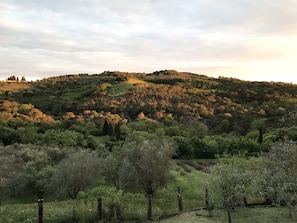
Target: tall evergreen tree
[105,128]
[117,130]
[110,129]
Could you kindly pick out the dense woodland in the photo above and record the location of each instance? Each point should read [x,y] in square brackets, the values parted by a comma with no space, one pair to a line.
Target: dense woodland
[122,118]
[203,115]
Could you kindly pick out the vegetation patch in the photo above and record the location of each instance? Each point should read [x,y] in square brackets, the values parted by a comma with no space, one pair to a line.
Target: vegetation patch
[13,86]
[119,89]
[137,82]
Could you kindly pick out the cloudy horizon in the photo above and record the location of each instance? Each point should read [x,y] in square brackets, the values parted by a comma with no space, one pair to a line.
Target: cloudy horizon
[249,40]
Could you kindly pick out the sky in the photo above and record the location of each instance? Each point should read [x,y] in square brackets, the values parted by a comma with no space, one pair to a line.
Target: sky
[252,40]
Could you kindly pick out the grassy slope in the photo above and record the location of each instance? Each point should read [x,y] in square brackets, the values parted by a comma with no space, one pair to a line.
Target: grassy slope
[13,86]
[124,87]
[137,81]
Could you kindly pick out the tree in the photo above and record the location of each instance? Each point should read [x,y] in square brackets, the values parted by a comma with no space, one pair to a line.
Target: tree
[110,129]
[69,115]
[8,135]
[27,168]
[28,134]
[105,130]
[259,124]
[117,170]
[231,182]
[38,169]
[124,165]
[277,178]
[117,130]
[66,138]
[11,173]
[75,173]
[150,160]
[184,147]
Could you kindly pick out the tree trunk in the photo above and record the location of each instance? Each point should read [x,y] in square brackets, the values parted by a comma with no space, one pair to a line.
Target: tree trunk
[115,215]
[229,215]
[149,207]
[100,208]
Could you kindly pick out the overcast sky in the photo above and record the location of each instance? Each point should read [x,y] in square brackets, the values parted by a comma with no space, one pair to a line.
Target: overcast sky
[245,39]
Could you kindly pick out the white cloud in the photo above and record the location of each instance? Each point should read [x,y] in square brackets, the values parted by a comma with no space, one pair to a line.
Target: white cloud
[228,37]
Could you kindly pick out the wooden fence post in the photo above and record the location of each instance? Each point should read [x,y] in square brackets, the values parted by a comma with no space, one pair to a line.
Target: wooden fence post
[206,198]
[180,201]
[100,208]
[149,209]
[40,210]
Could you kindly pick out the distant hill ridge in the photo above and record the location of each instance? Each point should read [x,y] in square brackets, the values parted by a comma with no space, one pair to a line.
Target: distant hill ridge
[223,104]
[203,115]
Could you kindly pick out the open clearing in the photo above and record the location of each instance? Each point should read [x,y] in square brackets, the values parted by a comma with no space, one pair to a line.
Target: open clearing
[136,81]
[13,86]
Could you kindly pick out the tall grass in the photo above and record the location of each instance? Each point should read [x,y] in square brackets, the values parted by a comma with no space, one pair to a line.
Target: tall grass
[192,182]
[54,212]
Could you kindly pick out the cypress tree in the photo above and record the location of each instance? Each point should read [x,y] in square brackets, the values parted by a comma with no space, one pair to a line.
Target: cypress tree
[117,130]
[110,129]
[105,128]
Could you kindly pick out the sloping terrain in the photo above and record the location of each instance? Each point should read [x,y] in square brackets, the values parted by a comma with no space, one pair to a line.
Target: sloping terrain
[13,85]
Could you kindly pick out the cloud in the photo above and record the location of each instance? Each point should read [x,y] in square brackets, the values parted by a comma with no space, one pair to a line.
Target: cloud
[211,36]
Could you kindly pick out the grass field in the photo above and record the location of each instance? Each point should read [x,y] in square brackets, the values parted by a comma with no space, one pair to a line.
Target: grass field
[69,211]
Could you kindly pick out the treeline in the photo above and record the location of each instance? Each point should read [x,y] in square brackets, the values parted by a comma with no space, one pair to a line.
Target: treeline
[14,78]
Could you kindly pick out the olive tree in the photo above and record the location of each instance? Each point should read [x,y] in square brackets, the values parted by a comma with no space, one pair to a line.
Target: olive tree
[277,178]
[231,182]
[27,168]
[143,163]
[117,170]
[150,162]
[77,172]
[11,174]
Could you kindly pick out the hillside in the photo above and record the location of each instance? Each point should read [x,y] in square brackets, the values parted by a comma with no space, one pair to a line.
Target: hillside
[183,104]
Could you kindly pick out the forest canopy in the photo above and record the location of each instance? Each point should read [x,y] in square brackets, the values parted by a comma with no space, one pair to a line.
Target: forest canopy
[202,115]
